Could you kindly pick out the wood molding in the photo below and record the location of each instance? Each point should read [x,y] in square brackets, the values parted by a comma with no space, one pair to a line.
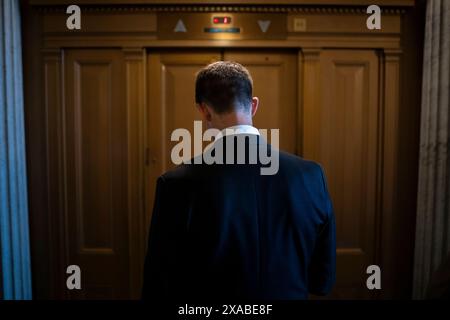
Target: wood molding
[294,42]
[311,100]
[53,104]
[389,3]
[332,27]
[260,8]
[390,222]
[135,78]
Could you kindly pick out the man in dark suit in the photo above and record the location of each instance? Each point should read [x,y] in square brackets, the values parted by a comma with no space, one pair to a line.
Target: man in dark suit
[224,231]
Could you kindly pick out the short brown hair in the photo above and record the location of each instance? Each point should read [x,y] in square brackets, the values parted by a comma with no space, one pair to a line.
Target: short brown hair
[225,86]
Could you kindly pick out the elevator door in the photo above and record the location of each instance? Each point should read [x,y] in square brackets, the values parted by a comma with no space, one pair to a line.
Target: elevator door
[339,130]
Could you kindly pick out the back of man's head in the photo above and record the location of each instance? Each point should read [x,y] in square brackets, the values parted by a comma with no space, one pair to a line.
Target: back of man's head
[225,86]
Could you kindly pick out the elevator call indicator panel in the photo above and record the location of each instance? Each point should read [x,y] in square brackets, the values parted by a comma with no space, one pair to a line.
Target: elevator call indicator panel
[221,19]
[221,26]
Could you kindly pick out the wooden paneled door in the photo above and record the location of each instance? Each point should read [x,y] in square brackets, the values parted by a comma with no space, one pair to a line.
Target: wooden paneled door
[341,131]
[327,110]
[95,220]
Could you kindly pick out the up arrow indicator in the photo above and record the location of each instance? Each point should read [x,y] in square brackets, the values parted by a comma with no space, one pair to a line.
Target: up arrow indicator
[264,25]
[180,27]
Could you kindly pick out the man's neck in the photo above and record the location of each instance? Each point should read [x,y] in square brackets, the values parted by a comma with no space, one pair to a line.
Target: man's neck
[232,119]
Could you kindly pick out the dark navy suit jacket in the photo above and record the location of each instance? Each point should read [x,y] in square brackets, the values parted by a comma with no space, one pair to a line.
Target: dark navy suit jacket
[224,231]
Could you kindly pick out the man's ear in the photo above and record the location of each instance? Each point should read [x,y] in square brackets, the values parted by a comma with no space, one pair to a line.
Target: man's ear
[206,114]
[255,104]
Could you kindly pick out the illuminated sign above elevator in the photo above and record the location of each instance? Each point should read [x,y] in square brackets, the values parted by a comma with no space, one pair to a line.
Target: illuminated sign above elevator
[221,26]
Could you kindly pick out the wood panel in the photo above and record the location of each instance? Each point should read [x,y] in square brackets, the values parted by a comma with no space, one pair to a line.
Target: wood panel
[391,224]
[135,77]
[54,238]
[336,22]
[272,2]
[171,105]
[341,132]
[138,27]
[95,153]
[274,82]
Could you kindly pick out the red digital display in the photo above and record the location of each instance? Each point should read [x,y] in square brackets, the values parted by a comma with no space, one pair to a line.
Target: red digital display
[222,20]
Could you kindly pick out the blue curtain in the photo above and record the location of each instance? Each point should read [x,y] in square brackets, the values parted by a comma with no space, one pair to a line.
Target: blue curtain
[14,238]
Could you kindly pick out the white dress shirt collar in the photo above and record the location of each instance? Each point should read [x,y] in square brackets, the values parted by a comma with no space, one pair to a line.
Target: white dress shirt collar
[239,129]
